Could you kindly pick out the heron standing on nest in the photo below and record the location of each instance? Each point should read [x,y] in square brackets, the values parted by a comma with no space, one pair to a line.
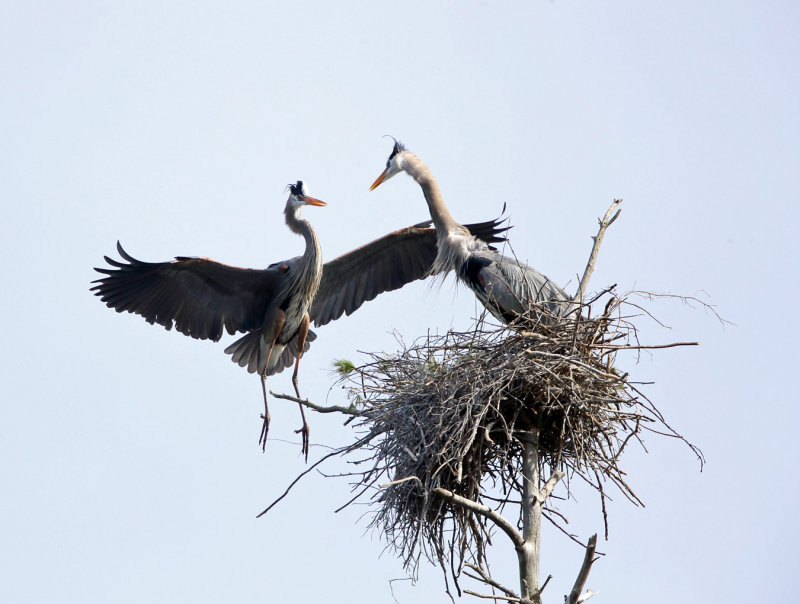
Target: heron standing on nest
[509,289]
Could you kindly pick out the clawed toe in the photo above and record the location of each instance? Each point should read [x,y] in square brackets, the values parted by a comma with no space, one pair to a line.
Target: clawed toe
[305,431]
[262,440]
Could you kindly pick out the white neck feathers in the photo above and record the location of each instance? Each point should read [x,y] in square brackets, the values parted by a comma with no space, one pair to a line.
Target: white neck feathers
[453,241]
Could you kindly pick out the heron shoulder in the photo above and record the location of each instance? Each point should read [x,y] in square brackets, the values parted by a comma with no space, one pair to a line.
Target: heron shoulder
[284,266]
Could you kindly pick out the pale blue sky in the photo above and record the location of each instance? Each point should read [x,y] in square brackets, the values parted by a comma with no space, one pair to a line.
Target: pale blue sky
[130,463]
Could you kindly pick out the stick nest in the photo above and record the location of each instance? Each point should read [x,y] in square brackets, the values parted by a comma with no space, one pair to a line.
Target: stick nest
[450,411]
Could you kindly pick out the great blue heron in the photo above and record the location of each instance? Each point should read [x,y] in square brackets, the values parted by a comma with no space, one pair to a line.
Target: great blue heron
[507,288]
[272,306]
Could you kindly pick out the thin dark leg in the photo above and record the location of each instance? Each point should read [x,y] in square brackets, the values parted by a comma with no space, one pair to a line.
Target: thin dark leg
[305,430]
[276,329]
[301,342]
[262,440]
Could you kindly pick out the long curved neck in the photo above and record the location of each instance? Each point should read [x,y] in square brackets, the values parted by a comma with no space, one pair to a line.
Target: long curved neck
[453,240]
[301,227]
[442,219]
[310,268]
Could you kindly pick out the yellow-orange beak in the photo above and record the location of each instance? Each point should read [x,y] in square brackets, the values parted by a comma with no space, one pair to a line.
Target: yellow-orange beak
[313,201]
[380,179]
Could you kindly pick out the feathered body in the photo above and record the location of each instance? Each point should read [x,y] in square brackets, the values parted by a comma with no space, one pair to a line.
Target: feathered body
[301,278]
[506,287]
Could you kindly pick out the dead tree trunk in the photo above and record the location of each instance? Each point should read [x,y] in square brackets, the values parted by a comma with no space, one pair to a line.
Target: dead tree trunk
[528,553]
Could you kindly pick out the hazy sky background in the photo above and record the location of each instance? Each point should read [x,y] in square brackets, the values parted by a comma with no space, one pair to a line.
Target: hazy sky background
[128,454]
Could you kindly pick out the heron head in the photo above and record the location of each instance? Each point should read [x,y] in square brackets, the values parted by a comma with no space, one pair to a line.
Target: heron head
[298,196]
[393,165]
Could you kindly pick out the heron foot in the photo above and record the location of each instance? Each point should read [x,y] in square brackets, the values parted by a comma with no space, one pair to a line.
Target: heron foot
[305,431]
[262,440]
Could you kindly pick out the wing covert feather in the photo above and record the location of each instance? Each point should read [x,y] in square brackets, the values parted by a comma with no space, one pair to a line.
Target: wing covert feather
[198,296]
[384,265]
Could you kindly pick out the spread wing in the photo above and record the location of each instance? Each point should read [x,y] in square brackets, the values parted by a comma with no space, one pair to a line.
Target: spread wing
[383,265]
[195,295]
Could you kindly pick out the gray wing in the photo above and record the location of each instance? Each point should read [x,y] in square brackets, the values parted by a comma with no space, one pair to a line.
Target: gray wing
[509,288]
[383,265]
[195,295]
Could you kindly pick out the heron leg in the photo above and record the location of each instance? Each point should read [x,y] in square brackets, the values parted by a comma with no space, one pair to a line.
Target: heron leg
[301,342]
[277,327]
[262,440]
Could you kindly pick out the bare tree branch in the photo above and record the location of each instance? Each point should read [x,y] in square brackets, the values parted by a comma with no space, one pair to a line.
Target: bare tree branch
[318,408]
[575,595]
[648,347]
[586,595]
[487,579]
[547,489]
[491,597]
[606,222]
[400,481]
[484,511]
[541,589]
[296,480]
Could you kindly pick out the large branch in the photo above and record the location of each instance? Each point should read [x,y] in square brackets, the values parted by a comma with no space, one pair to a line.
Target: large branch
[484,511]
[606,222]
[547,489]
[575,596]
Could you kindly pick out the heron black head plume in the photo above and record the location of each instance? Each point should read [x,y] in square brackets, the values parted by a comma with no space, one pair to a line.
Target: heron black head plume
[297,188]
[398,147]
